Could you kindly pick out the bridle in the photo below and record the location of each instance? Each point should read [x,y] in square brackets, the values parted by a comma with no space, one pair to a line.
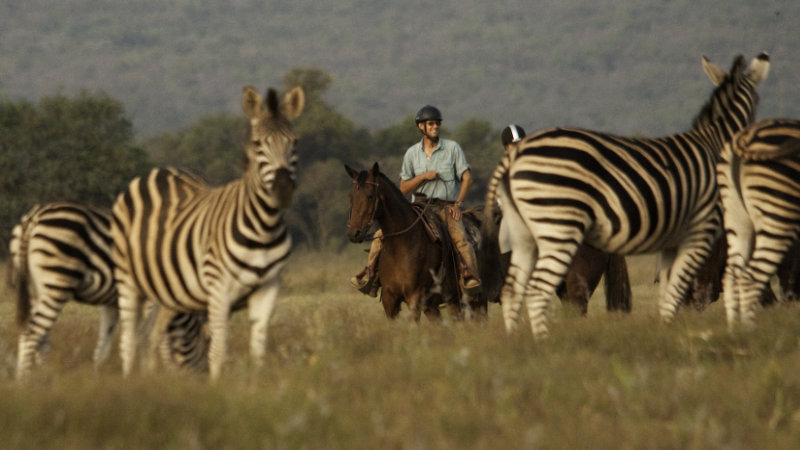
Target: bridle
[375,210]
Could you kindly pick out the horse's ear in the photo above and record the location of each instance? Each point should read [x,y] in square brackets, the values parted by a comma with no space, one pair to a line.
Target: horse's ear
[375,169]
[350,171]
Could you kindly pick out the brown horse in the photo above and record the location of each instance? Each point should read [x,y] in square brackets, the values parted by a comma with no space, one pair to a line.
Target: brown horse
[411,257]
[584,274]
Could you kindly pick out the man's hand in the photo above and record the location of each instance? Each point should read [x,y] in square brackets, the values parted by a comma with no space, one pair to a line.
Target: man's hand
[455,211]
[430,175]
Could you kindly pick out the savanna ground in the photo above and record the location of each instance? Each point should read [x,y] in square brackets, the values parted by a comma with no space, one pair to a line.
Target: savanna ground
[339,375]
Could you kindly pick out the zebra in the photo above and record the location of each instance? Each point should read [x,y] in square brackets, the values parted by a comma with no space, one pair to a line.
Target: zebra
[197,248]
[60,252]
[562,187]
[759,183]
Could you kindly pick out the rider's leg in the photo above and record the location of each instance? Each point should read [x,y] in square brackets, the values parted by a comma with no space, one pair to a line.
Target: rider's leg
[457,232]
[367,281]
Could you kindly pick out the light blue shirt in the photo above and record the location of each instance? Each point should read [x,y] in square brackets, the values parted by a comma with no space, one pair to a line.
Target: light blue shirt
[447,158]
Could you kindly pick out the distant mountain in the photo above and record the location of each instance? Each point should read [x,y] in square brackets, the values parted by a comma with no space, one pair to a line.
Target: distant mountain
[621,66]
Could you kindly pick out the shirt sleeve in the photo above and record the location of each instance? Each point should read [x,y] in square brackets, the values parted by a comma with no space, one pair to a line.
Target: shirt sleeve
[461,164]
[407,169]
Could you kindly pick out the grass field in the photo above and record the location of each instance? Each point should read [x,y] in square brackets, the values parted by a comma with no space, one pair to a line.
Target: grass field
[340,376]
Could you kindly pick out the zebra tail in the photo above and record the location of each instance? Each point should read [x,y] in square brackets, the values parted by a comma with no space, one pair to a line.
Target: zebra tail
[617,284]
[489,259]
[18,272]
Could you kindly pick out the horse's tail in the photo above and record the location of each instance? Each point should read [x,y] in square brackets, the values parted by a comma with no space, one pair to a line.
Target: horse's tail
[18,272]
[617,284]
[489,258]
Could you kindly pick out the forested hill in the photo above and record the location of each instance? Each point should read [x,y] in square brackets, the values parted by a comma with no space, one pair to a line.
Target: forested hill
[620,66]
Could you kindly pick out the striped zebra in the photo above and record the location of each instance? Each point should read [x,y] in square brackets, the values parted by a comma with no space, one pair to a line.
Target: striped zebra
[562,187]
[62,252]
[195,248]
[759,182]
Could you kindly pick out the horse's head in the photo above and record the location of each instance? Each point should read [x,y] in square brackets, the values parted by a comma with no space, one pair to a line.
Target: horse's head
[364,202]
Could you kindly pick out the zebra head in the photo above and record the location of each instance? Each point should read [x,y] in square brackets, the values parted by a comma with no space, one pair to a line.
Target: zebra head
[271,152]
[732,106]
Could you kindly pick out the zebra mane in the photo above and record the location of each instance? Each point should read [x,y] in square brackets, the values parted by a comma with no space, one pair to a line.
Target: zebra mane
[709,113]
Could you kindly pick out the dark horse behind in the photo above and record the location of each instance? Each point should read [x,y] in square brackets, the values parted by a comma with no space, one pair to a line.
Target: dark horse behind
[414,266]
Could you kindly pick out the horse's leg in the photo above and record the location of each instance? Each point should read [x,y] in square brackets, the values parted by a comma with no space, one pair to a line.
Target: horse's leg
[391,303]
[617,284]
[583,276]
[414,305]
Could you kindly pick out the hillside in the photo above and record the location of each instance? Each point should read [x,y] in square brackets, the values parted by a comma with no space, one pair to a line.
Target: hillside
[627,67]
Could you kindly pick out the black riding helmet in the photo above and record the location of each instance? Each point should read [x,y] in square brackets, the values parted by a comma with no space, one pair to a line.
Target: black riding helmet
[428,112]
[512,133]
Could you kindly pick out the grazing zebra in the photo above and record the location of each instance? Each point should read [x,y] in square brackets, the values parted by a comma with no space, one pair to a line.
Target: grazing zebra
[62,252]
[195,248]
[759,182]
[562,187]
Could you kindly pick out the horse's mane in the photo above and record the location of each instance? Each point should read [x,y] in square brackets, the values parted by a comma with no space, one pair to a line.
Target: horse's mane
[384,180]
[706,115]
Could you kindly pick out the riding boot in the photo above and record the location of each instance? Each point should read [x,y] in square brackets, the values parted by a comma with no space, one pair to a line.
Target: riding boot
[469,270]
[366,281]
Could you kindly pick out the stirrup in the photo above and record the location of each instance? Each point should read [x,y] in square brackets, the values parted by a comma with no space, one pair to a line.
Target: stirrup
[471,286]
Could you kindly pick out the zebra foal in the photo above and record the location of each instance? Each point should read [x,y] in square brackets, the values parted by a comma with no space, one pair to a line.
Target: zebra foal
[194,248]
[562,187]
[62,251]
[759,182]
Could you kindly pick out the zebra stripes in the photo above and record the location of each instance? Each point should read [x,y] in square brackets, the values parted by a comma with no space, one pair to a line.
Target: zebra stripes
[62,252]
[562,187]
[759,182]
[194,248]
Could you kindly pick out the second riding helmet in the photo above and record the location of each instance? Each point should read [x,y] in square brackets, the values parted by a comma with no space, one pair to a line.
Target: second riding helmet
[426,113]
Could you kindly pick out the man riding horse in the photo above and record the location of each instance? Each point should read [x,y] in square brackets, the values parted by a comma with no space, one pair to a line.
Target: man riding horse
[436,171]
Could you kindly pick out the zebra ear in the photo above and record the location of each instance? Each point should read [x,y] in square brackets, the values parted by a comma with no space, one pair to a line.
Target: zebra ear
[713,71]
[759,68]
[350,171]
[251,102]
[293,102]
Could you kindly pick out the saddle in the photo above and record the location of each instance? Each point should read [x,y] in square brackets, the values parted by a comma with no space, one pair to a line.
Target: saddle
[430,220]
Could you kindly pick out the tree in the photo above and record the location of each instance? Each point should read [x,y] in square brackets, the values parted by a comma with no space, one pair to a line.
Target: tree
[320,206]
[481,144]
[72,149]
[213,147]
[324,133]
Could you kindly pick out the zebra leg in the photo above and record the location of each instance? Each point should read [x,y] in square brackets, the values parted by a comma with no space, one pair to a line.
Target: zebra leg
[218,312]
[130,311]
[109,316]
[155,337]
[767,254]
[261,304]
[519,272]
[34,342]
[690,256]
[730,293]
[550,268]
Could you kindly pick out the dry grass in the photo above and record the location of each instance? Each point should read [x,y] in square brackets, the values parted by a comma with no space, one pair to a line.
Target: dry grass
[339,375]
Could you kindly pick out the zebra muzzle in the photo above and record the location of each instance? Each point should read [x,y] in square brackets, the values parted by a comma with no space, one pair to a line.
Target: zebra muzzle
[283,187]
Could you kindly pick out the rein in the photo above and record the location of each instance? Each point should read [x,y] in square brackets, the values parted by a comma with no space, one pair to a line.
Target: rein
[375,210]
